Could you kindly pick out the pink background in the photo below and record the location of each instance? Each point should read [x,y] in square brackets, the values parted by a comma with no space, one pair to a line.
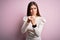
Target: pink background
[12,12]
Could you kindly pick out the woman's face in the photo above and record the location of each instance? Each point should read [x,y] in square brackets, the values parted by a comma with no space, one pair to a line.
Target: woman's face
[33,10]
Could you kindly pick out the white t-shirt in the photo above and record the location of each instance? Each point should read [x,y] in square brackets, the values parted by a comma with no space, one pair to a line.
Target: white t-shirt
[36,35]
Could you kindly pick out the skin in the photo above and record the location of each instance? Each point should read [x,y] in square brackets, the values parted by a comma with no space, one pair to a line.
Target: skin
[33,11]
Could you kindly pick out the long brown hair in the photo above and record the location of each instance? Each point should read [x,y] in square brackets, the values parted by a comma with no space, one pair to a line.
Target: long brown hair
[28,8]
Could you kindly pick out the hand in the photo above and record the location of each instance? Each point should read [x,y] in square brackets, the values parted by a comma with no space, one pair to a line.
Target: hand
[32,18]
[28,19]
[30,30]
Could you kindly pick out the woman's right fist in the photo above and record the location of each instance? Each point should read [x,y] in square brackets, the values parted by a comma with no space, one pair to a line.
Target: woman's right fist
[29,19]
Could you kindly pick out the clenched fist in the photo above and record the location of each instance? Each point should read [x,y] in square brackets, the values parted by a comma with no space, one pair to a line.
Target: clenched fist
[31,19]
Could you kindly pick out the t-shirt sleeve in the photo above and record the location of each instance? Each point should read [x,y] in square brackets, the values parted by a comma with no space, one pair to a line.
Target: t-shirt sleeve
[39,27]
[25,24]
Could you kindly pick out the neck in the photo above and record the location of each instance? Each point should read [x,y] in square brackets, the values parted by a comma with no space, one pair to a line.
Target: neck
[34,15]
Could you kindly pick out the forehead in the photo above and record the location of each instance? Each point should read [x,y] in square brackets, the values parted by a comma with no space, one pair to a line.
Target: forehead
[33,6]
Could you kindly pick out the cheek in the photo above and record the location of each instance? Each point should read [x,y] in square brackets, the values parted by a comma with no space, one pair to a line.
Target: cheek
[35,10]
[31,11]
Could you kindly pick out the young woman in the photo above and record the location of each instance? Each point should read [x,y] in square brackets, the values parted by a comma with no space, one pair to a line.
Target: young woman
[33,22]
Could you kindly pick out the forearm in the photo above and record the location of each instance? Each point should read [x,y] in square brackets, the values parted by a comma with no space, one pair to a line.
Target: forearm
[36,30]
[24,26]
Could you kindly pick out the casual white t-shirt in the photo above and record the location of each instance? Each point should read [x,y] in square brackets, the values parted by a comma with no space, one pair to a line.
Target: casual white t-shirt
[36,35]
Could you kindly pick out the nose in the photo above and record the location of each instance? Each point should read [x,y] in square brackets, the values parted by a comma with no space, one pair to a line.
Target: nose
[32,10]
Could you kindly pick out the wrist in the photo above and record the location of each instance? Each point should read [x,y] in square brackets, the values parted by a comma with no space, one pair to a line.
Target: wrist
[34,23]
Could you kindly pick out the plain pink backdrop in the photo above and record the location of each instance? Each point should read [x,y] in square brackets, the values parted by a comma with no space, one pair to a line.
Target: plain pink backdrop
[12,12]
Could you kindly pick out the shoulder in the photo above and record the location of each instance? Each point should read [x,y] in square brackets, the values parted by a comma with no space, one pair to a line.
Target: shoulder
[42,19]
[25,18]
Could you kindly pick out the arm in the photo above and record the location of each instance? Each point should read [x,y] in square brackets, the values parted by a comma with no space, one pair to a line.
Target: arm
[24,26]
[38,29]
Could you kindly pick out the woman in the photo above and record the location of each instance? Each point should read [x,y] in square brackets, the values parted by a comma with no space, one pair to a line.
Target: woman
[33,22]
